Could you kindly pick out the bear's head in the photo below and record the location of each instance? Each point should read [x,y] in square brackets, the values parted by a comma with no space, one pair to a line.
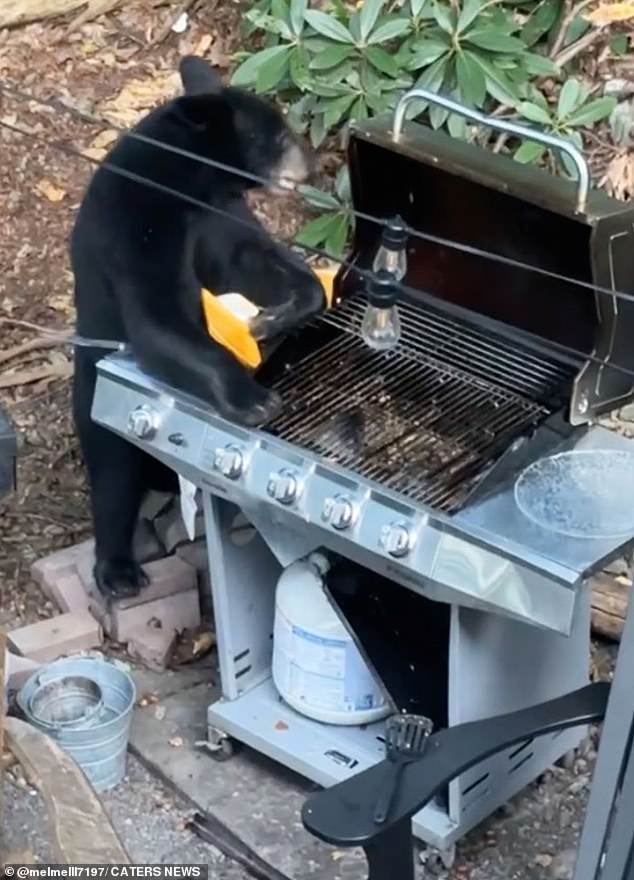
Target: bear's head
[241,130]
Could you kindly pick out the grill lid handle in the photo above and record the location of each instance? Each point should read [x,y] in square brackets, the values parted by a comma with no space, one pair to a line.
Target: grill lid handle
[522,131]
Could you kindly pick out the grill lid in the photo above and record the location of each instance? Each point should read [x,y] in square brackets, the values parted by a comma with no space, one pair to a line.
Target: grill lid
[462,193]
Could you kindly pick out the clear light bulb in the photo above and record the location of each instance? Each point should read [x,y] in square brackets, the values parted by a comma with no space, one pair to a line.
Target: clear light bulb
[381,325]
[391,255]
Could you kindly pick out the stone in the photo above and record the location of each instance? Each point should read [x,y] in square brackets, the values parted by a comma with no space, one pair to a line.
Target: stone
[152,646]
[194,553]
[563,865]
[47,570]
[171,531]
[56,637]
[168,577]
[146,546]
[69,593]
[155,503]
[17,669]
[171,613]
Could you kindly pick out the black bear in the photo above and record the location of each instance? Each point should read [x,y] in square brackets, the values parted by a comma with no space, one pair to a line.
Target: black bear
[140,256]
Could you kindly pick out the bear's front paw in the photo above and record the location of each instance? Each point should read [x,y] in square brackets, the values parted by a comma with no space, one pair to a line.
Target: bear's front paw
[271,322]
[251,405]
[119,578]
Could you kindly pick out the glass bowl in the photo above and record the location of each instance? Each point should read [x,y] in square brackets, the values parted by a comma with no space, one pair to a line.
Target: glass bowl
[581,494]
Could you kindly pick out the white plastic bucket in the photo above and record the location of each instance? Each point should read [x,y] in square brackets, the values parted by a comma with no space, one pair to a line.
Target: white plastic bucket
[317,668]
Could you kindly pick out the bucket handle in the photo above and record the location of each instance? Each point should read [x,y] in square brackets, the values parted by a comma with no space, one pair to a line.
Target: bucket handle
[522,131]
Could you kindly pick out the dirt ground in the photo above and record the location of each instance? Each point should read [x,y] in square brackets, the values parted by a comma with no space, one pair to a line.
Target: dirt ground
[114,68]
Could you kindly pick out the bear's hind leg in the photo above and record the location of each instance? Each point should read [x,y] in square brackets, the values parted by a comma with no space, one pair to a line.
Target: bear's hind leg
[117,488]
[116,476]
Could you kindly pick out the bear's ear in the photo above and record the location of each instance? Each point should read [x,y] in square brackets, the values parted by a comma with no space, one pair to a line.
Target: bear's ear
[202,111]
[199,77]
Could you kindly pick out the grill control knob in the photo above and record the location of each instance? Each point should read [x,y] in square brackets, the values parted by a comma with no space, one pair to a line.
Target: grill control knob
[143,422]
[283,486]
[396,539]
[339,512]
[229,460]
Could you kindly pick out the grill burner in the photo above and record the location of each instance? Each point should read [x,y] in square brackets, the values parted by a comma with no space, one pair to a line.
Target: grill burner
[426,419]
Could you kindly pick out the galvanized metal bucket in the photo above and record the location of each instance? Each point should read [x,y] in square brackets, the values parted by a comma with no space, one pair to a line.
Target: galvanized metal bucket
[85,704]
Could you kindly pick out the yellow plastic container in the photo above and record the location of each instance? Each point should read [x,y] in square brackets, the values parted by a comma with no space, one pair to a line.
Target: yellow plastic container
[227,318]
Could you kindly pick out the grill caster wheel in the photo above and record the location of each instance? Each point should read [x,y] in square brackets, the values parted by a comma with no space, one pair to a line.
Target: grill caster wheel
[437,861]
[220,745]
[225,751]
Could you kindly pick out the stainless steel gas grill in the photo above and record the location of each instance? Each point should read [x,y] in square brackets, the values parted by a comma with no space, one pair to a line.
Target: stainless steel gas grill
[404,465]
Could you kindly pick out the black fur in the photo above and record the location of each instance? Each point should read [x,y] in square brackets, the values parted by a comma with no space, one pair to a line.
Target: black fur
[140,258]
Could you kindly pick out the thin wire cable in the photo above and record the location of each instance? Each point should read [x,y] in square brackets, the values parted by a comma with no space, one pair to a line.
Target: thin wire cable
[58,104]
[366,275]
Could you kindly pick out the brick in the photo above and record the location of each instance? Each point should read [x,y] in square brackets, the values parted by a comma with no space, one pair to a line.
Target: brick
[194,553]
[152,646]
[171,531]
[49,639]
[172,613]
[17,669]
[61,563]
[69,593]
[155,503]
[168,577]
[146,546]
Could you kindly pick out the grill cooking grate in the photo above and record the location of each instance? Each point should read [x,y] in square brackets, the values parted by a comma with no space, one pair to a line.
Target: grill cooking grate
[426,419]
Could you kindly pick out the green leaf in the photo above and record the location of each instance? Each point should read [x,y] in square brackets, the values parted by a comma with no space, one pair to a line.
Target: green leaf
[337,236]
[426,52]
[329,90]
[318,130]
[578,27]
[471,80]
[540,21]
[331,57]
[280,20]
[382,60]
[297,112]
[389,31]
[493,40]
[359,111]
[469,13]
[417,7]
[431,79]
[370,11]
[298,68]
[336,109]
[247,73]
[328,26]
[539,65]
[317,198]
[438,116]
[316,231]
[565,160]
[457,126]
[342,185]
[619,44]
[534,113]
[297,15]
[592,112]
[569,98]
[444,17]
[529,153]
[499,86]
[272,71]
